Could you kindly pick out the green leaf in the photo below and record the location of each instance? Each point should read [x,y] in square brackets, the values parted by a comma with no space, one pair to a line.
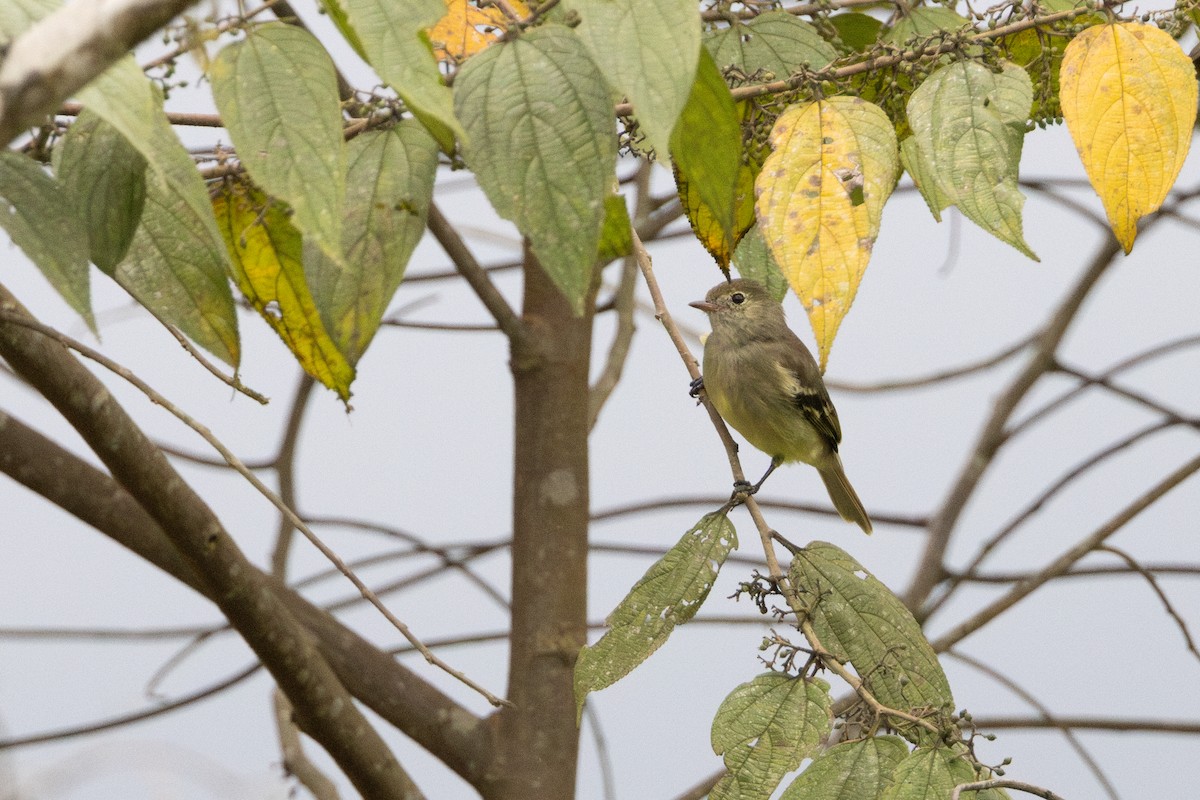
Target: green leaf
[754,261]
[764,729]
[341,21]
[926,21]
[930,774]
[921,171]
[857,31]
[706,149]
[968,125]
[128,101]
[267,255]
[542,146]
[41,221]
[390,185]
[858,770]
[393,34]
[860,621]
[669,594]
[616,239]
[172,271]
[277,94]
[105,177]
[647,50]
[775,42]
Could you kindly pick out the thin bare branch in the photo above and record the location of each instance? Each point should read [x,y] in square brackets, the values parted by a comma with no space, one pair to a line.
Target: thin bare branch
[1064,562]
[477,277]
[1158,590]
[1092,764]
[253,480]
[933,378]
[931,569]
[1003,783]
[295,762]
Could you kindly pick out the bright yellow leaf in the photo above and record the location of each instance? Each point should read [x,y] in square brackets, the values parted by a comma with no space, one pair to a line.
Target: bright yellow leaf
[466,29]
[267,256]
[1129,99]
[820,200]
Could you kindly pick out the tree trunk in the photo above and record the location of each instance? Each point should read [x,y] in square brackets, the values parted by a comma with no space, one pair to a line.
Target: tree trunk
[538,740]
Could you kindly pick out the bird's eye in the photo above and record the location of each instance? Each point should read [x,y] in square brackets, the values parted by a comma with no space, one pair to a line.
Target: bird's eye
[738,298]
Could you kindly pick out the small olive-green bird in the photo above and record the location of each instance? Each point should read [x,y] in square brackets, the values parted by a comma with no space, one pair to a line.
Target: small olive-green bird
[766,384]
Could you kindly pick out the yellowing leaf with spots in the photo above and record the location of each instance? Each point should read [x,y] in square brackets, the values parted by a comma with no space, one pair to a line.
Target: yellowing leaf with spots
[466,29]
[1129,100]
[820,199]
[266,251]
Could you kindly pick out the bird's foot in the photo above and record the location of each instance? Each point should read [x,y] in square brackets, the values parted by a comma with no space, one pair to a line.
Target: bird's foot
[695,386]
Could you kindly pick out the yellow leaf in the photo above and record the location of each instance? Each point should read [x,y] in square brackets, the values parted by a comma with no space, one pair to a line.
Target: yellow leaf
[820,200]
[1129,100]
[266,251]
[466,29]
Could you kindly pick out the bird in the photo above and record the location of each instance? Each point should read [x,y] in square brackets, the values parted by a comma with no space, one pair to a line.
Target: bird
[767,385]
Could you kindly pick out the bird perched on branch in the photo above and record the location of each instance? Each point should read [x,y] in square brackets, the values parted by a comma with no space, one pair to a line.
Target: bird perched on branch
[766,384]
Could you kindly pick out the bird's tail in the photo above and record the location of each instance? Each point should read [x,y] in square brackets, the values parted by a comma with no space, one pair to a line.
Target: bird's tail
[844,498]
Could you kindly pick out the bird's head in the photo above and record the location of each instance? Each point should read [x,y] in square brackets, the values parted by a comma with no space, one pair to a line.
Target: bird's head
[742,306]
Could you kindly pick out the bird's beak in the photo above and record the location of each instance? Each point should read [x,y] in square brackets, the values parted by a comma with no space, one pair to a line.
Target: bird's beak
[704,306]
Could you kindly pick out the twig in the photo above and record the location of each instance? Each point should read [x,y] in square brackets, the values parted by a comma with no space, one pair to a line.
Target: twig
[936,377]
[931,570]
[1001,783]
[1067,733]
[295,762]
[263,489]
[1188,727]
[1158,590]
[831,662]
[702,789]
[891,518]
[230,380]
[623,303]
[1064,562]
[285,470]
[1034,506]
[477,277]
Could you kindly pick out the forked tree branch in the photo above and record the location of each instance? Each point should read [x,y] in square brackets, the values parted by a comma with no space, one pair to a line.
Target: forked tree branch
[324,709]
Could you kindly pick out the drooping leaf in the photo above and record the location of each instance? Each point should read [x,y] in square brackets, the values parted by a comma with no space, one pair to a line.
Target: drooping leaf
[390,185]
[669,594]
[616,239]
[393,33]
[105,177]
[968,126]
[267,255]
[341,20]
[277,94]
[754,261]
[467,28]
[172,271]
[128,101]
[930,774]
[921,171]
[820,200]
[647,50]
[1129,100]
[40,220]
[706,149]
[764,729]
[858,770]
[860,621]
[775,43]
[542,146]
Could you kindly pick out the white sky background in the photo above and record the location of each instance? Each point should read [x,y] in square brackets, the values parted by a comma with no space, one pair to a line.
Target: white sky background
[428,449]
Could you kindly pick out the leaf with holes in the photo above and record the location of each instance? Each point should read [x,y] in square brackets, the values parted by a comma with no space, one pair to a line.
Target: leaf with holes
[669,594]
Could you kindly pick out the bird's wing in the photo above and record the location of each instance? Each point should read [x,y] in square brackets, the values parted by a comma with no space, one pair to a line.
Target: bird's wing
[806,390]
